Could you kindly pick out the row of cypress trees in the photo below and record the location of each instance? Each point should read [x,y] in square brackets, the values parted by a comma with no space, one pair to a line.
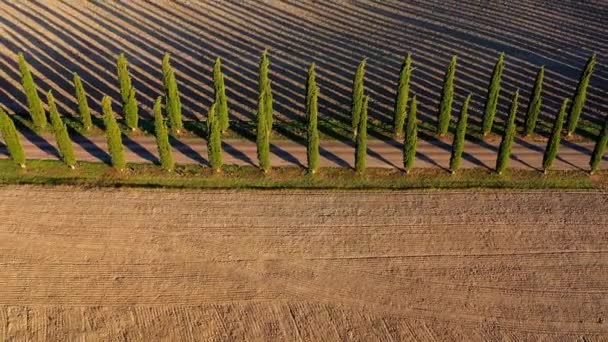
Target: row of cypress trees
[491,103]
[218,122]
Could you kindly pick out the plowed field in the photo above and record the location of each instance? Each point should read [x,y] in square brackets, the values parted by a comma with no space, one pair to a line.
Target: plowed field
[127,264]
[62,37]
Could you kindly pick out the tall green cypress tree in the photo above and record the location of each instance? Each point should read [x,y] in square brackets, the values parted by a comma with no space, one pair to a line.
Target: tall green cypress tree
[265,87]
[447,97]
[162,137]
[11,139]
[214,138]
[493,95]
[173,104]
[220,95]
[357,98]
[268,102]
[461,131]
[64,143]
[31,93]
[403,91]
[535,103]
[113,136]
[83,104]
[263,134]
[263,76]
[312,139]
[361,142]
[131,111]
[411,137]
[600,148]
[554,139]
[504,151]
[122,66]
[580,96]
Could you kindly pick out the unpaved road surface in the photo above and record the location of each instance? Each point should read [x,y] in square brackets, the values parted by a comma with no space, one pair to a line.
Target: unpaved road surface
[154,265]
[434,153]
[62,37]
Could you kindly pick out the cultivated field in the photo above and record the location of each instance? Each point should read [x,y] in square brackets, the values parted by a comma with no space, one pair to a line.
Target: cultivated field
[59,38]
[78,264]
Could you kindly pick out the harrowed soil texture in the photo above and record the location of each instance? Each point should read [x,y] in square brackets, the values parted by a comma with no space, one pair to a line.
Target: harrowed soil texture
[128,264]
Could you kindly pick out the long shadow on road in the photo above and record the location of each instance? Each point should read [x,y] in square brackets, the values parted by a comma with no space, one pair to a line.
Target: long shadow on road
[35,138]
[91,147]
[139,149]
[230,149]
[187,150]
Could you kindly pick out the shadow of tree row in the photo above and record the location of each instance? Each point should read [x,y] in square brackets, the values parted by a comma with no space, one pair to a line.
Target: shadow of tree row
[60,38]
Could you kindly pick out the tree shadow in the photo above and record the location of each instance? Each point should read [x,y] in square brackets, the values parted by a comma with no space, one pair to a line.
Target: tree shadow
[34,138]
[139,149]
[236,153]
[89,146]
[187,151]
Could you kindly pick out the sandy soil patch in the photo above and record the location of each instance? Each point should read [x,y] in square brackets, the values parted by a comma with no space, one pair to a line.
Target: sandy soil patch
[169,265]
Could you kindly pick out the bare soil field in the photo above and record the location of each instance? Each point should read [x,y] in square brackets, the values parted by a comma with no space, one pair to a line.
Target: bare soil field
[154,265]
[61,37]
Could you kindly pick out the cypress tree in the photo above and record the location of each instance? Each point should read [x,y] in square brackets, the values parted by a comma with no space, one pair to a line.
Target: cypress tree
[131,111]
[173,103]
[504,151]
[113,136]
[263,76]
[411,137]
[461,131]
[580,96]
[31,92]
[220,95]
[554,139]
[535,103]
[403,91]
[357,98]
[83,104]
[263,134]
[122,66]
[268,103]
[61,133]
[162,137]
[447,97]
[361,142]
[214,138]
[493,95]
[265,87]
[312,147]
[600,148]
[11,139]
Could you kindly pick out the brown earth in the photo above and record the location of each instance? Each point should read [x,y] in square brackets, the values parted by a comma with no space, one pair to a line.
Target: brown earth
[62,37]
[152,265]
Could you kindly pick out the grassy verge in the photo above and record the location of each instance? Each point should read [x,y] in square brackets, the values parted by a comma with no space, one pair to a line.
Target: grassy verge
[48,172]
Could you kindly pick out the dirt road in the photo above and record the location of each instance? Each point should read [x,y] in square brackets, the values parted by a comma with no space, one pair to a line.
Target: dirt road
[431,153]
[157,265]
